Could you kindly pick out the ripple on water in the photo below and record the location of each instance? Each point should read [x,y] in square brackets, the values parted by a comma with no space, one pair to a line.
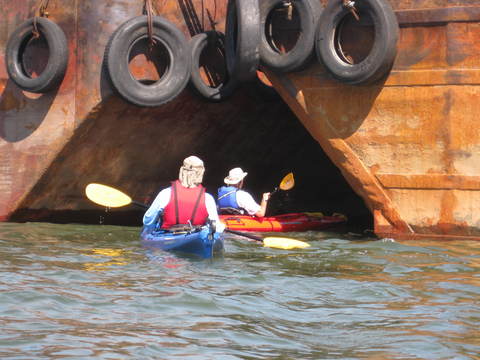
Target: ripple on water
[93,292]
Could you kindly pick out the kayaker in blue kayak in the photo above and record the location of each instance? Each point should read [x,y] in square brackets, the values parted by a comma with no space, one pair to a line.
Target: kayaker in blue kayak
[185,202]
[233,200]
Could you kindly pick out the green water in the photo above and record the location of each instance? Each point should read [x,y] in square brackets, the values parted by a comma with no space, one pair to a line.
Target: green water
[83,292]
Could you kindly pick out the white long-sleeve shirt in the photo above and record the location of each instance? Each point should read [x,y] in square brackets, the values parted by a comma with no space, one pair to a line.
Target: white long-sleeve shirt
[246,202]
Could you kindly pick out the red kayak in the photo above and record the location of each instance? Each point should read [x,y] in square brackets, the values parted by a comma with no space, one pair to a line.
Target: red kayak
[282,223]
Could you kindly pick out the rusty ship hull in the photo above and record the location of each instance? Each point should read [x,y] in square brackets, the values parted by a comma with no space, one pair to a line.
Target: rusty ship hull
[53,144]
[407,145]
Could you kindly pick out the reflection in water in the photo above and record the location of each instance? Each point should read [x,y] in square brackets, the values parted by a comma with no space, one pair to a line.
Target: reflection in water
[95,292]
[114,256]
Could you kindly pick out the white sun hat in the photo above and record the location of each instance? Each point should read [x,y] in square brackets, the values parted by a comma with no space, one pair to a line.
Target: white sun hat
[235,176]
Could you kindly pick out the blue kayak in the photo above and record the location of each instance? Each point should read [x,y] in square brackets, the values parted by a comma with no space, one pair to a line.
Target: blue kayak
[199,241]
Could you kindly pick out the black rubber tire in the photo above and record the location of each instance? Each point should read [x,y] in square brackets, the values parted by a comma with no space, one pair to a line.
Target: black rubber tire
[198,43]
[309,12]
[56,66]
[172,82]
[384,49]
[242,39]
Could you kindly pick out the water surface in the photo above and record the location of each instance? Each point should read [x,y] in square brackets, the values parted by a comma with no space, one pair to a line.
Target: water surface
[82,292]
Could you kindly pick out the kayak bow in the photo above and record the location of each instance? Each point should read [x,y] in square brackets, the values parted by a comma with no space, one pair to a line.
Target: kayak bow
[203,241]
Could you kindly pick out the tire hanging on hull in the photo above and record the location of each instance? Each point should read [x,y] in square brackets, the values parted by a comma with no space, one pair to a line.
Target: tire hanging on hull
[170,84]
[242,38]
[198,44]
[382,54]
[303,51]
[54,71]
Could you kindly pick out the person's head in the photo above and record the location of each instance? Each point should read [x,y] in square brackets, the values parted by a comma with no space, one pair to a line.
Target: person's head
[191,172]
[235,177]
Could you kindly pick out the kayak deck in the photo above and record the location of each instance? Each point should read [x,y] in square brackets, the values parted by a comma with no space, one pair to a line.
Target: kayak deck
[201,242]
[294,222]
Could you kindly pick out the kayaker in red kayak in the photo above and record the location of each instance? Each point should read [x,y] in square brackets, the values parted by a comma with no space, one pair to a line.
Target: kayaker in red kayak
[185,201]
[233,200]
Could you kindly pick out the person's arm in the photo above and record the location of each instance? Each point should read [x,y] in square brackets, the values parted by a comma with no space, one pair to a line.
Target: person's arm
[211,207]
[212,212]
[263,205]
[246,202]
[162,199]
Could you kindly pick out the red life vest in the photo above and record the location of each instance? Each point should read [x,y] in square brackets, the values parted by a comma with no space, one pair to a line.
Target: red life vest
[185,204]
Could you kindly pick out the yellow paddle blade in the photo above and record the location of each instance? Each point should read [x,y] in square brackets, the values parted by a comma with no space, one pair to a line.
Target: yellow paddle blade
[106,195]
[284,243]
[287,182]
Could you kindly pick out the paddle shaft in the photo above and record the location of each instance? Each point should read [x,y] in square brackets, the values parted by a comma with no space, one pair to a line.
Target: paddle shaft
[250,236]
[139,204]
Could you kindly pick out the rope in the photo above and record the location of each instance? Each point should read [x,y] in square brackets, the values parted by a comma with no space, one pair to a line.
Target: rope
[288,4]
[213,23]
[215,12]
[203,16]
[41,11]
[148,8]
[350,5]
[213,19]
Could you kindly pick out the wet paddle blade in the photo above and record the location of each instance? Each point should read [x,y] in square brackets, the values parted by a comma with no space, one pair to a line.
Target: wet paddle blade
[106,195]
[284,243]
[287,182]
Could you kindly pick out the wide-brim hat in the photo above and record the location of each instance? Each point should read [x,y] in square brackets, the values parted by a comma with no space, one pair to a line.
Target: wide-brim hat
[235,176]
